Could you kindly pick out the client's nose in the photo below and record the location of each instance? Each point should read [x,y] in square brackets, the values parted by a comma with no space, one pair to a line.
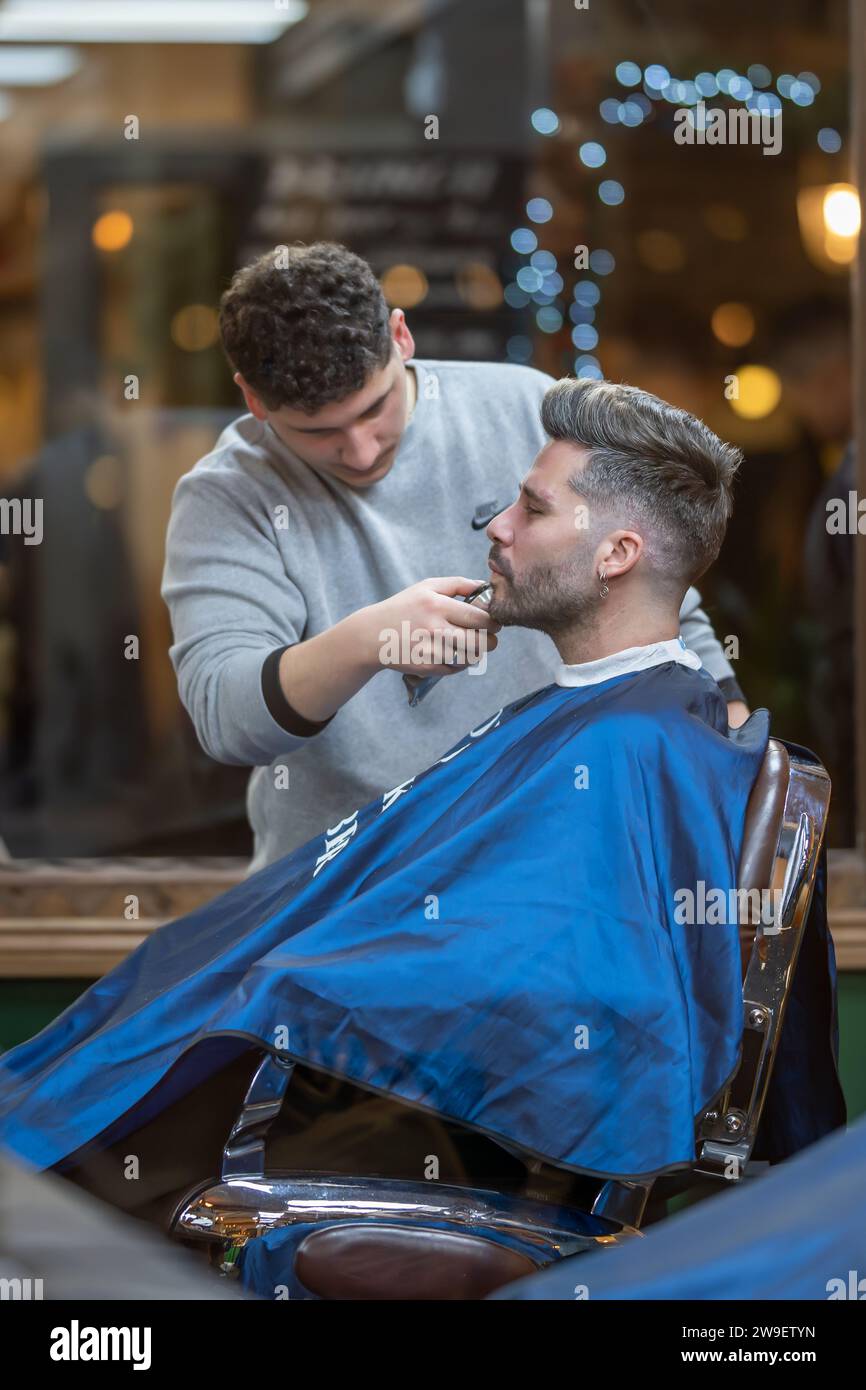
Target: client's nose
[499,531]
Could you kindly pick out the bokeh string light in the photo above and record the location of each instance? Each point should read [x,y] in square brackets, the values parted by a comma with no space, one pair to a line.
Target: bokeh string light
[539,282]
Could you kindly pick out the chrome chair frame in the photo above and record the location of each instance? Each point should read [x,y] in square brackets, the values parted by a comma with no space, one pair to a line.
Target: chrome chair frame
[248,1201]
[728,1128]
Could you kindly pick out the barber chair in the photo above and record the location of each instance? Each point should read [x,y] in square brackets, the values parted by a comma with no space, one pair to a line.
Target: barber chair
[375,1238]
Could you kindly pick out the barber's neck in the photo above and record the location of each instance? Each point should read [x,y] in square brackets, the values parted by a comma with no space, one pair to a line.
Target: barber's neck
[614,630]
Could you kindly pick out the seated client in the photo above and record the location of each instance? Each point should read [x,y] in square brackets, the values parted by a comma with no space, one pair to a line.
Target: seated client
[495,942]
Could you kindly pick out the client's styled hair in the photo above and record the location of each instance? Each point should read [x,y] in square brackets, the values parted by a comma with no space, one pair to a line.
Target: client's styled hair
[305,325]
[660,469]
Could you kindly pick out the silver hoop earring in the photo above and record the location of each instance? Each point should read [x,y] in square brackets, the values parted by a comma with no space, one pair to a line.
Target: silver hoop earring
[604,590]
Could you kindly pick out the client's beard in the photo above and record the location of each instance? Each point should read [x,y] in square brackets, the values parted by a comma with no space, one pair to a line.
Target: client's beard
[552,600]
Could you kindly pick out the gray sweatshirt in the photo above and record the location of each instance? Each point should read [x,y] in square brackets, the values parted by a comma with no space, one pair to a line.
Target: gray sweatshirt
[262,552]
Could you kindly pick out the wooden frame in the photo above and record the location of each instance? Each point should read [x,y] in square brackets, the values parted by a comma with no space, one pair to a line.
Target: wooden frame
[65,920]
[69,918]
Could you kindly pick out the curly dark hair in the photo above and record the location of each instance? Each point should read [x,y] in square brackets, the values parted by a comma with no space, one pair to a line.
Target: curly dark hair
[305,325]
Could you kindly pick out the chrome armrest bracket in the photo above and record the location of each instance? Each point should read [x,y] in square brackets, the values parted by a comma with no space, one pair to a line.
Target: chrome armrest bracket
[244,1152]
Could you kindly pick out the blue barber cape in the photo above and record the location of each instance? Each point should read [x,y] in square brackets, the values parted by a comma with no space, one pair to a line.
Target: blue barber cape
[494,940]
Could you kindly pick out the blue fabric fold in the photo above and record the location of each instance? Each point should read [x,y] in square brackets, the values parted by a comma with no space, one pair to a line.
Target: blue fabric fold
[495,940]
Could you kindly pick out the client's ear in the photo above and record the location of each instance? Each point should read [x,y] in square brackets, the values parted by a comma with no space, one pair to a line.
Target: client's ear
[618,553]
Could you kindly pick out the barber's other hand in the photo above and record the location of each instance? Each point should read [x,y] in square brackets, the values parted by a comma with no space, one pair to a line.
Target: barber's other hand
[427,630]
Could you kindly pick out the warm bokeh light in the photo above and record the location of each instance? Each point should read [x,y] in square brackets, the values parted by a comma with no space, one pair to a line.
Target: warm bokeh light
[112,231]
[842,210]
[404,286]
[195,327]
[760,391]
[661,251]
[102,483]
[479,286]
[726,221]
[733,324]
[829,217]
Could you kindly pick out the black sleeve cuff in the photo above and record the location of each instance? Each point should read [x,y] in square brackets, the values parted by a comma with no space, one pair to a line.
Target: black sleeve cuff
[278,705]
[731,690]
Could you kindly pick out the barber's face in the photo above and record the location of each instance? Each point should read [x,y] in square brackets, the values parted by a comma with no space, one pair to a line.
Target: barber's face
[355,439]
[542,555]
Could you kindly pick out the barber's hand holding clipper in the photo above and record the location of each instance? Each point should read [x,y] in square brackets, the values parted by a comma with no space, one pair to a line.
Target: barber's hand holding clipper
[437,627]
[418,686]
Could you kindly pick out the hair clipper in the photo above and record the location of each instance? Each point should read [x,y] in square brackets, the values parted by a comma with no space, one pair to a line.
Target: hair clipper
[419,686]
